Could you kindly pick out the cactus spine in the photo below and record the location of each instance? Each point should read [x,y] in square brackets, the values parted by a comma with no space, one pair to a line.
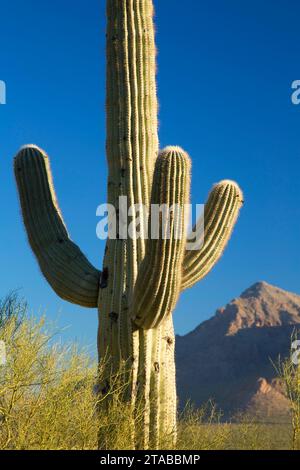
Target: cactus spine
[141,279]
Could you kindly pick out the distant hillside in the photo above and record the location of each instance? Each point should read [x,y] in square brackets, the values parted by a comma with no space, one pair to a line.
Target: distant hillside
[228,358]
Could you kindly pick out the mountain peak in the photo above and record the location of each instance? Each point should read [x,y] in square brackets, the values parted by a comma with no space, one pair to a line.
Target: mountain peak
[262,305]
[260,288]
[228,357]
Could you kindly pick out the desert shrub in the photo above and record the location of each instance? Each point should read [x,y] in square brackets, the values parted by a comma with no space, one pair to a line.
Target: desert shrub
[12,306]
[49,400]
[48,396]
[45,398]
[289,371]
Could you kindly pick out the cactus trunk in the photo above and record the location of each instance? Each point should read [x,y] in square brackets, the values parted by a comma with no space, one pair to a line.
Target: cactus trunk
[142,277]
[132,149]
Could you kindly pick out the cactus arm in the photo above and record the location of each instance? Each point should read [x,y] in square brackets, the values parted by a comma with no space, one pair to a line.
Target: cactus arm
[220,215]
[159,280]
[62,263]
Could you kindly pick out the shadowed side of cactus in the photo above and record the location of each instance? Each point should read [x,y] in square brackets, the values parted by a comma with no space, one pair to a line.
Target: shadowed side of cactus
[142,277]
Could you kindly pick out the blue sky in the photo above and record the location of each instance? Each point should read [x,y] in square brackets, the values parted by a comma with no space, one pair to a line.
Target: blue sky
[225,70]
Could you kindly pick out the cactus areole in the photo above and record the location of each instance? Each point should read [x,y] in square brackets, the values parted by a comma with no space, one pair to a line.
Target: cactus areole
[141,278]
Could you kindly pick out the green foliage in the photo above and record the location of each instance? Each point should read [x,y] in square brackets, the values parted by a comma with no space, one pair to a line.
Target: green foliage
[12,306]
[48,400]
[289,372]
[45,391]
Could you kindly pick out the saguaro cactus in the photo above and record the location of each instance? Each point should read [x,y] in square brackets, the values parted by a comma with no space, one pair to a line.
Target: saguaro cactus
[141,279]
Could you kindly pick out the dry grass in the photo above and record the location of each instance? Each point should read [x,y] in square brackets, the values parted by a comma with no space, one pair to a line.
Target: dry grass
[204,429]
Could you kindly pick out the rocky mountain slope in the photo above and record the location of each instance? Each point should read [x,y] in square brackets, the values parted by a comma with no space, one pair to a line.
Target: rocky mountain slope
[229,357]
